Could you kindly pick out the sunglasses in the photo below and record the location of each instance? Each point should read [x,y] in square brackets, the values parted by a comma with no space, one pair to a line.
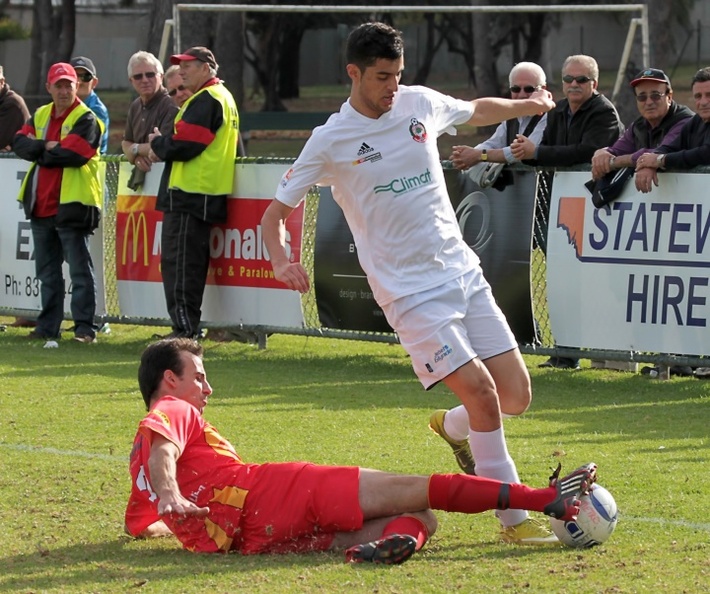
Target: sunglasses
[527,89]
[86,77]
[580,80]
[655,97]
[173,92]
[140,75]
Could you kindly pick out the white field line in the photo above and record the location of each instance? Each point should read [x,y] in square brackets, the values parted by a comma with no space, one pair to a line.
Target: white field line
[80,454]
[57,452]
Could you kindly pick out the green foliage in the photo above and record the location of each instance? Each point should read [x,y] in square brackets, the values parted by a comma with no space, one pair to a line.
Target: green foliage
[68,417]
[10,29]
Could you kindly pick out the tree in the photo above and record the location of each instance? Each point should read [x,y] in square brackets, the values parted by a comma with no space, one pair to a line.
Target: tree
[53,37]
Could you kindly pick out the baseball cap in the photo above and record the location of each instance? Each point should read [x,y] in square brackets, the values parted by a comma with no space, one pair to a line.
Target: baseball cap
[59,71]
[609,188]
[85,63]
[652,74]
[195,53]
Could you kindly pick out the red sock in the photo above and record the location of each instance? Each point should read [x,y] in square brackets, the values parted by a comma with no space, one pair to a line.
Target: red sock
[408,525]
[475,494]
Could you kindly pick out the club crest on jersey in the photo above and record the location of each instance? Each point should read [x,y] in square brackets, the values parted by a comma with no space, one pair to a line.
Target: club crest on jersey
[417,130]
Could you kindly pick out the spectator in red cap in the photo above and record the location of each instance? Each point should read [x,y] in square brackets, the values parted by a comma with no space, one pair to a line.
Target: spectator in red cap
[198,178]
[62,195]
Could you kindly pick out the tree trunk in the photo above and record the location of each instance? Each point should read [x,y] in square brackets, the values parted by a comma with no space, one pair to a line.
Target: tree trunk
[484,60]
[289,63]
[229,51]
[67,31]
[160,11]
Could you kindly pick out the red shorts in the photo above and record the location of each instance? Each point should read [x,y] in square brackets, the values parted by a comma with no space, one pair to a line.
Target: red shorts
[298,507]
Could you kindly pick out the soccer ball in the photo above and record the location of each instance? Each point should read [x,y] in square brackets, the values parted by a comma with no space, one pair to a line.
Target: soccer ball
[594,524]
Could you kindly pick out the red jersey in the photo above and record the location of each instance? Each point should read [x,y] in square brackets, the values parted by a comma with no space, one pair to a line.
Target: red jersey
[209,473]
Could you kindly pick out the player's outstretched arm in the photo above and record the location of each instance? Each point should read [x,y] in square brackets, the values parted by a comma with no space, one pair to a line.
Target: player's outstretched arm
[493,110]
[273,227]
[163,468]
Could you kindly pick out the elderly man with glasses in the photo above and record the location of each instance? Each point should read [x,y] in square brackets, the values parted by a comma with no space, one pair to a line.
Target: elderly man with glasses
[660,122]
[581,123]
[152,109]
[525,78]
[690,148]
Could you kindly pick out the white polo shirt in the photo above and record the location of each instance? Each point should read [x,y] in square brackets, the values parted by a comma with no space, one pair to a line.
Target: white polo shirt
[386,175]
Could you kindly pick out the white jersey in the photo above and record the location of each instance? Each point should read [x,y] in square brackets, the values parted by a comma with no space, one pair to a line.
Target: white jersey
[386,175]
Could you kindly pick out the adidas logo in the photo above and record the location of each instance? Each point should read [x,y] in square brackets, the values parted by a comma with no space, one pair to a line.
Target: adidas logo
[364,149]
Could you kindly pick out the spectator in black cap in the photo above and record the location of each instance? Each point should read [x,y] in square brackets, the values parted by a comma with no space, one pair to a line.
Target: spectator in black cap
[690,148]
[86,83]
[660,122]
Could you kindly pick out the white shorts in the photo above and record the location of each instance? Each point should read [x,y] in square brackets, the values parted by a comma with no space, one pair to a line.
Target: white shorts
[448,326]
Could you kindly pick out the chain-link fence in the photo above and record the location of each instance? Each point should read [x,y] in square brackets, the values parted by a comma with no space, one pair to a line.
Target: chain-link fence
[545,342]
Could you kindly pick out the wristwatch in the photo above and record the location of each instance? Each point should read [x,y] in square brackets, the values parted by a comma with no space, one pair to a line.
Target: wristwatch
[611,162]
[134,149]
[661,160]
[484,155]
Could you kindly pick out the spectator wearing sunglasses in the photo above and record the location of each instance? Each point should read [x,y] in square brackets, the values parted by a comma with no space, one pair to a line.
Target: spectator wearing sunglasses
[660,122]
[86,83]
[152,109]
[689,149]
[581,123]
[177,91]
[525,78]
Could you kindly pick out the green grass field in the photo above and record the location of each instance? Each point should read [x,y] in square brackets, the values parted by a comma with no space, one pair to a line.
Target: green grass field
[68,417]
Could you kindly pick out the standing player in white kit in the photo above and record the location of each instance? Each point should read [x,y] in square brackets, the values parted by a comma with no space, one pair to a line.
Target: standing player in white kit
[379,153]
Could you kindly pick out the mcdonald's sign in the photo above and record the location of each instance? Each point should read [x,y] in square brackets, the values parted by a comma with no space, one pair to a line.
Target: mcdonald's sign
[134,225]
[135,234]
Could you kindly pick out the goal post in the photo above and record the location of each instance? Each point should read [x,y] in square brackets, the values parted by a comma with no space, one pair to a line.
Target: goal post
[635,9]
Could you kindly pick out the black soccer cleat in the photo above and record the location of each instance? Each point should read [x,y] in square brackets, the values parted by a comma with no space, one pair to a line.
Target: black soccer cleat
[569,489]
[391,550]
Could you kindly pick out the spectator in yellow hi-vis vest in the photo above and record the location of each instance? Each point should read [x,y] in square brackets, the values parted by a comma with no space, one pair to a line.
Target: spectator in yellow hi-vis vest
[62,196]
[198,177]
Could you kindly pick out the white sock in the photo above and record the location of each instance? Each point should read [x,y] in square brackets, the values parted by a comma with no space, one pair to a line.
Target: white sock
[456,423]
[493,461]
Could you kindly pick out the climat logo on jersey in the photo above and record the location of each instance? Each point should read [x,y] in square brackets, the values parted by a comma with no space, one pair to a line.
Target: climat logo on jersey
[402,185]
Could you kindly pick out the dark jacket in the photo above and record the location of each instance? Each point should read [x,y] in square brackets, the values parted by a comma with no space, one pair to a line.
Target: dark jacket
[594,125]
[197,126]
[691,148]
[13,114]
[646,137]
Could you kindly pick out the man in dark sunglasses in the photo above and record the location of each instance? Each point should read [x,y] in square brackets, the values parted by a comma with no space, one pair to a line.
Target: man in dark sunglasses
[660,122]
[525,78]
[86,83]
[152,109]
[691,148]
[581,123]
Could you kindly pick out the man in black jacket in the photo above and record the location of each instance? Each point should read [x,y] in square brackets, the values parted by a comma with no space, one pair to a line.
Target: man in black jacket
[582,122]
[660,122]
[690,149]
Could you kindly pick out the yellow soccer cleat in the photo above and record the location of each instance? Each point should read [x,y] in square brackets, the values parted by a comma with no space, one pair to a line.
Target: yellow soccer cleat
[528,532]
[462,451]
